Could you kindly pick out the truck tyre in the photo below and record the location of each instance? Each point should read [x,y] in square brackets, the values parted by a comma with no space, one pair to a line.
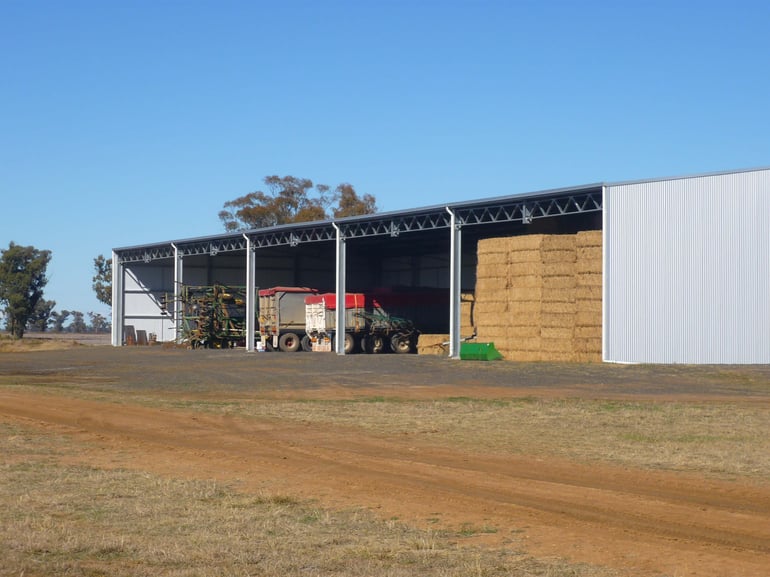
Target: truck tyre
[377,344]
[289,343]
[350,344]
[306,344]
[401,344]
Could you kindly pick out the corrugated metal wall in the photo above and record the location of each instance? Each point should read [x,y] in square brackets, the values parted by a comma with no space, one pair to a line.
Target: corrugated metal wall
[687,270]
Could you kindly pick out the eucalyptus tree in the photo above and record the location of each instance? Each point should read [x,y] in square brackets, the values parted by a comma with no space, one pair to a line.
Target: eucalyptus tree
[22,279]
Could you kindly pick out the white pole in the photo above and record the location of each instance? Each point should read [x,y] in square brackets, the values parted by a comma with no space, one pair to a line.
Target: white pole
[339,346]
[178,280]
[117,301]
[455,263]
[250,296]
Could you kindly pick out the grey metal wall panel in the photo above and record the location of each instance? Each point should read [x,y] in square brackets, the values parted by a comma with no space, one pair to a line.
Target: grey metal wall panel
[687,270]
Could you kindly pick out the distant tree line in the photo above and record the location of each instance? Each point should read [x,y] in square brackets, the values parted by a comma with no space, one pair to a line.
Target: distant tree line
[22,282]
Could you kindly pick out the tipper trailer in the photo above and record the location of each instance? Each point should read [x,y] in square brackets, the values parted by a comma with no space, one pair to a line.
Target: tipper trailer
[282,318]
[368,327]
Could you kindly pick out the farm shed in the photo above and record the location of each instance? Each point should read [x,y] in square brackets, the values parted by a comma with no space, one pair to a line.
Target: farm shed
[672,270]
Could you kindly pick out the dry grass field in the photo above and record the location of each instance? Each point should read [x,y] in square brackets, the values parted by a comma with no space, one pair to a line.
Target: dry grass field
[153,461]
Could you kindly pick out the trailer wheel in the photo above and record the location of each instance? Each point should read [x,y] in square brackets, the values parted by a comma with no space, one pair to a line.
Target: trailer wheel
[401,344]
[375,344]
[306,344]
[350,344]
[289,343]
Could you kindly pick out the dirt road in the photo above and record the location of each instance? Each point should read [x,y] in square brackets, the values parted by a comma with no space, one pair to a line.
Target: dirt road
[641,522]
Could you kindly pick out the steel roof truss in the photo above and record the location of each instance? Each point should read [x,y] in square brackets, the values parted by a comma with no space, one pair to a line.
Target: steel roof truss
[524,211]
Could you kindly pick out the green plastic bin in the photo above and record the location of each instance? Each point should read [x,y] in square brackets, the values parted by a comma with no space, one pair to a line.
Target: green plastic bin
[479,352]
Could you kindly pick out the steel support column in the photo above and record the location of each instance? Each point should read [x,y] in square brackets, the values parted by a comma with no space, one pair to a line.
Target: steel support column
[178,281]
[339,346]
[251,295]
[455,269]
[117,300]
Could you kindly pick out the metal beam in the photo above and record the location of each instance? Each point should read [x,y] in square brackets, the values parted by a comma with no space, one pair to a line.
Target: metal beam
[117,301]
[455,268]
[251,295]
[522,209]
[339,343]
[178,282]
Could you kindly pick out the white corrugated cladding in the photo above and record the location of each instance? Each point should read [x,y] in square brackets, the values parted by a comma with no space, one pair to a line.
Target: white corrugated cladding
[687,270]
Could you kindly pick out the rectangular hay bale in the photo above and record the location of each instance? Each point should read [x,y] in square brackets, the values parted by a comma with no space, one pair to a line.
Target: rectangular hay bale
[563,333]
[432,344]
[524,293]
[589,279]
[491,307]
[589,306]
[490,285]
[587,345]
[525,281]
[521,344]
[531,308]
[560,282]
[523,356]
[589,253]
[559,242]
[558,320]
[522,332]
[593,357]
[554,256]
[589,266]
[530,268]
[516,256]
[487,246]
[588,332]
[588,238]
[525,242]
[558,295]
[560,307]
[485,270]
[550,269]
[588,318]
[583,292]
[492,258]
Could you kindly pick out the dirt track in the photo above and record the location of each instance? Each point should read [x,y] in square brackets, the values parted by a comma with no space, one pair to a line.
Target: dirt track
[641,522]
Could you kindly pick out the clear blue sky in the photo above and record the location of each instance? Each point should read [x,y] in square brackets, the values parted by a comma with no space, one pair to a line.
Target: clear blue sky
[131,122]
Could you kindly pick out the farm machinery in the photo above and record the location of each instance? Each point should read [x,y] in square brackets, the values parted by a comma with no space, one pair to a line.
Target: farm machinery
[368,328]
[213,316]
[291,319]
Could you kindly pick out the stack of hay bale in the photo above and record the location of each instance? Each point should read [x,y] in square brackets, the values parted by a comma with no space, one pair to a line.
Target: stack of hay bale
[558,301]
[588,296]
[491,311]
[537,296]
[521,337]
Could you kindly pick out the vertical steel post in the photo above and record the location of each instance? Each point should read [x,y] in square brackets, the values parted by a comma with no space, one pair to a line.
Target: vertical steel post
[339,346]
[117,301]
[250,295]
[605,269]
[178,280]
[455,264]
